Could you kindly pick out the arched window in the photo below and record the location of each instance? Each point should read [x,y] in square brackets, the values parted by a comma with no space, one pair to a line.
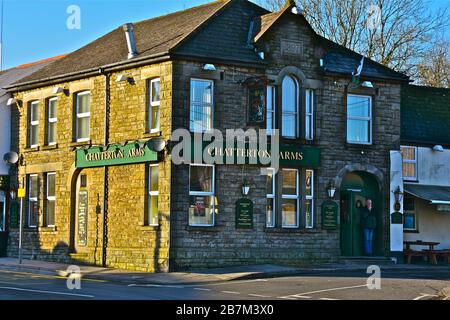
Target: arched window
[290,107]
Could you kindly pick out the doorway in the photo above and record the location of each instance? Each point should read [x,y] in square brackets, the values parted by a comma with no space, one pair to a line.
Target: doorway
[3,234]
[356,188]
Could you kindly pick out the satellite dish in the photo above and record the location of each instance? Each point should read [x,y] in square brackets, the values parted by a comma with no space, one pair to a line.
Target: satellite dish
[11,157]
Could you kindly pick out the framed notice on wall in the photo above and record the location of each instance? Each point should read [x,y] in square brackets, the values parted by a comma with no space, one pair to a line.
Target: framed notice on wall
[82,217]
[257,105]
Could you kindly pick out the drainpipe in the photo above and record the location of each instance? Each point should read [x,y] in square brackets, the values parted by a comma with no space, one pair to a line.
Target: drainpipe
[105,168]
[131,44]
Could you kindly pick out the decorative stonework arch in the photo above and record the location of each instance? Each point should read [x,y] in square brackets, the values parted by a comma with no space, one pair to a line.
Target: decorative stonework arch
[291,71]
[377,173]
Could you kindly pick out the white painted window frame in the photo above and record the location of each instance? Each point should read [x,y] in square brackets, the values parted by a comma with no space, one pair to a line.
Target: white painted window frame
[292,197]
[82,115]
[49,198]
[206,194]
[152,194]
[52,120]
[369,119]
[310,197]
[272,111]
[203,104]
[297,108]
[154,104]
[32,199]
[34,123]
[416,221]
[273,197]
[309,97]
[415,162]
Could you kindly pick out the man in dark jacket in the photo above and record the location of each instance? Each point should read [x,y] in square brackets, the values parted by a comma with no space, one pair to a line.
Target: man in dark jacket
[369,223]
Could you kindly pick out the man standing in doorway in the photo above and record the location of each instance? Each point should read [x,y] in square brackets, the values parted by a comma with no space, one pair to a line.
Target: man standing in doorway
[369,224]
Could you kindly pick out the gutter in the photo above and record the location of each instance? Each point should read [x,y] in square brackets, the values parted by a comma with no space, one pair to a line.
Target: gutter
[397,80]
[137,62]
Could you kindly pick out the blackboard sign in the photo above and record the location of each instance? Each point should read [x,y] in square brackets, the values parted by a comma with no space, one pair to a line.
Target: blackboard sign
[244,214]
[396,218]
[14,215]
[82,217]
[329,215]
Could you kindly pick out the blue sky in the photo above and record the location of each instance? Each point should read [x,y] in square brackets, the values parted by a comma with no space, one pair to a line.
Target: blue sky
[36,29]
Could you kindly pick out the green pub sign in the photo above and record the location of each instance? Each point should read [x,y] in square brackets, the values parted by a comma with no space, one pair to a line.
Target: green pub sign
[244,214]
[330,215]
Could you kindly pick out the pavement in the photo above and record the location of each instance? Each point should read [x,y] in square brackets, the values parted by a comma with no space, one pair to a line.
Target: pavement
[202,276]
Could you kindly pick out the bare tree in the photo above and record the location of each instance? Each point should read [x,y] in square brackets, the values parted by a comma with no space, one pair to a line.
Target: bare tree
[434,70]
[396,33]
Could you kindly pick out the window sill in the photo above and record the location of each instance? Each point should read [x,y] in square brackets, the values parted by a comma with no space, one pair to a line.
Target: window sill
[202,228]
[149,134]
[292,230]
[80,144]
[50,147]
[48,229]
[411,231]
[34,149]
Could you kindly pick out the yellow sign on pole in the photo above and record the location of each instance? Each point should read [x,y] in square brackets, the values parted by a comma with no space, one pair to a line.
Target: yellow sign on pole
[21,193]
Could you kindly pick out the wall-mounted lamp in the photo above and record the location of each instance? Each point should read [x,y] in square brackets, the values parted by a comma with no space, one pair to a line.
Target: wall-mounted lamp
[398,197]
[209,67]
[158,144]
[367,84]
[13,195]
[331,190]
[58,90]
[438,148]
[245,188]
[11,101]
[123,78]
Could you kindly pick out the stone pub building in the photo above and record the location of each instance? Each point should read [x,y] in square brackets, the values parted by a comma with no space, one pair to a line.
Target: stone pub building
[101,187]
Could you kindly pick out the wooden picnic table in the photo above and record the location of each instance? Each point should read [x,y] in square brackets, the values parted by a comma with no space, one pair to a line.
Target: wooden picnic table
[430,245]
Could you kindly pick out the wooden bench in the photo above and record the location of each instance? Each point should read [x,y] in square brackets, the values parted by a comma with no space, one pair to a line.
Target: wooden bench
[433,254]
[411,253]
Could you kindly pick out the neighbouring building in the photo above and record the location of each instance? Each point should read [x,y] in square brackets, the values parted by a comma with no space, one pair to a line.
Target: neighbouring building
[425,146]
[101,188]
[8,77]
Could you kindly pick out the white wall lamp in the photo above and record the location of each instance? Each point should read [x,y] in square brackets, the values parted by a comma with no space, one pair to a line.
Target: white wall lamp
[331,190]
[245,188]
[438,148]
[367,84]
[11,101]
[209,67]
[58,90]
[123,78]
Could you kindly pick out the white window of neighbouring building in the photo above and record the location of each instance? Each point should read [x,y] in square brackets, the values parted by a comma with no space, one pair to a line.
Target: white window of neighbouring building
[153,195]
[289,126]
[52,121]
[359,119]
[83,113]
[309,114]
[309,199]
[155,104]
[409,155]
[34,124]
[290,198]
[270,208]
[50,199]
[271,119]
[33,200]
[410,216]
[202,206]
[201,105]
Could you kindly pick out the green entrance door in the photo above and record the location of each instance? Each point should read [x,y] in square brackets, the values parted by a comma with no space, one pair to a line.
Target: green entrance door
[356,188]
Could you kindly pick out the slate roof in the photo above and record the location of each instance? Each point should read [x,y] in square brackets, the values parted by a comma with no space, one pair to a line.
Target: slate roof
[219,30]
[425,115]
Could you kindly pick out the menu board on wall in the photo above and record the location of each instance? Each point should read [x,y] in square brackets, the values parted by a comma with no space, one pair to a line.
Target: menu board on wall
[82,217]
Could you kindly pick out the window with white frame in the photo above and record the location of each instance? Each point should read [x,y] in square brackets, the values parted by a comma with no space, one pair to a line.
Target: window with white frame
[270,208]
[271,116]
[201,105]
[290,198]
[83,115]
[50,199]
[33,200]
[289,107]
[153,195]
[34,124]
[409,214]
[309,114]
[52,120]
[155,105]
[309,199]
[409,155]
[202,205]
[359,119]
